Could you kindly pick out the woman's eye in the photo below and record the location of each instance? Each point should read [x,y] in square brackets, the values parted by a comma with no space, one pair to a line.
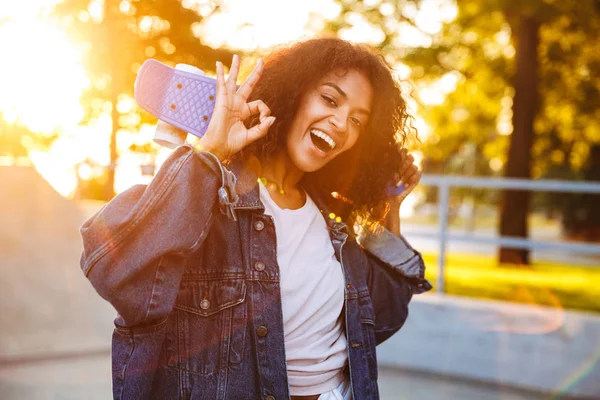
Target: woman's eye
[329,100]
[356,121]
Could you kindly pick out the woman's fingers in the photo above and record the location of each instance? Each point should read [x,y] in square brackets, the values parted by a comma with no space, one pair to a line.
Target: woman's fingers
[407,168]
[246,89]
[408,172]
[413,182]
[408,161]
[410,176]
[221,89]
[260,130]
[407,191]
[227,132]
[233,74]
[407,175]
[403,152]
[414,176]
[410,184]
[256,107]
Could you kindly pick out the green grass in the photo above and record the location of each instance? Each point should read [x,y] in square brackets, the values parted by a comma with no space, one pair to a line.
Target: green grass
[554,285]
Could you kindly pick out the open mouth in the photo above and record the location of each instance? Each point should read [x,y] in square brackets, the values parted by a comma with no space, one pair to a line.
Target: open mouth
[322,141]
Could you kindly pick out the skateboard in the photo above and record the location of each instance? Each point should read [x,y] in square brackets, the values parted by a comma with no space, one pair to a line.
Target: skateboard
[183,99]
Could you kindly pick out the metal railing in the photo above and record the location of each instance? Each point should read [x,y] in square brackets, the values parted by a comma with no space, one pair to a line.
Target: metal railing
[445,182]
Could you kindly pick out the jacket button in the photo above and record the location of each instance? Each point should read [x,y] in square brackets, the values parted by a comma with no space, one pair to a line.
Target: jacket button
[269,397]
[259,266]
[204,304]
[259,225]
[261,331]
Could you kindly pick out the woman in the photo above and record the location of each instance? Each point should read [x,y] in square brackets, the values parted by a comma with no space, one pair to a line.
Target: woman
[234,273]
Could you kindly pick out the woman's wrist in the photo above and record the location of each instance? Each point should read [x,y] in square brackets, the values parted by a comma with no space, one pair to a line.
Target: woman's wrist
[392,219]
[205,145]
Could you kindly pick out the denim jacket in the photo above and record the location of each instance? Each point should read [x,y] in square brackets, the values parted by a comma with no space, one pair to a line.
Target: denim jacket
[189,262]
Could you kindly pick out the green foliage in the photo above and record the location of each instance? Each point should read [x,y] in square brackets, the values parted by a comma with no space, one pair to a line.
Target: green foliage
[479,48]
[11,137]
[580,212]
[118,38]
[118,43]
[16,139]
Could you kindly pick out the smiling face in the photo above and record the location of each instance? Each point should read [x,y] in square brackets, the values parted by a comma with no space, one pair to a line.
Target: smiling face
[330,119]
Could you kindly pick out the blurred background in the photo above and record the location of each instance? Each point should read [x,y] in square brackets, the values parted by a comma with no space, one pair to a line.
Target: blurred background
[505,95]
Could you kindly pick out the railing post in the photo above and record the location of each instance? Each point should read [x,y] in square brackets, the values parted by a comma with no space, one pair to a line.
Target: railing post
[443,203]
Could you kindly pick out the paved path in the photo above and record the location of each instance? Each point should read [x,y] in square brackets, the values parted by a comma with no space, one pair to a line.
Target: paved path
[85,378]
[405,385]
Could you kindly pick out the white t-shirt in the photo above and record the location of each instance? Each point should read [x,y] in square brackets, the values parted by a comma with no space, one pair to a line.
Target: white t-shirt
[312,295]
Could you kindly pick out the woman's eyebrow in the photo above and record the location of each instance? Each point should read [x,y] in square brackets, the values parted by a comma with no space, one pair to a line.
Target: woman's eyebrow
[336,87]
[344,95]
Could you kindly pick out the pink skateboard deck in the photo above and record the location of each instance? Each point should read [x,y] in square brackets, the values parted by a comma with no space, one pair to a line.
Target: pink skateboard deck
[182,99]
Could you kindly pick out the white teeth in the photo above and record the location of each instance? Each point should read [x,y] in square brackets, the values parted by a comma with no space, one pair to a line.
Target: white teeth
[324,136]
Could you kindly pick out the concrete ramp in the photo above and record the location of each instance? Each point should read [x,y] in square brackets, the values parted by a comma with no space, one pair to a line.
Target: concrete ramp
[535,349]
[47,307]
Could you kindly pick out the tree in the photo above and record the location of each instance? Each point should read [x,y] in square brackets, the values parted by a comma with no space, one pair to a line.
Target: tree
[515,204]
[118,35]
[527,85]
[11,139]
[16,139]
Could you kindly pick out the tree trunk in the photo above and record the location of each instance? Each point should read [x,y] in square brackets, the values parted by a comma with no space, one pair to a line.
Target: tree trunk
[515,204]
[110,181]
[110,26]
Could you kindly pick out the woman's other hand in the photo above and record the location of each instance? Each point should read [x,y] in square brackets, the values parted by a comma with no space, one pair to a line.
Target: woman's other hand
[408,175]
[226,133]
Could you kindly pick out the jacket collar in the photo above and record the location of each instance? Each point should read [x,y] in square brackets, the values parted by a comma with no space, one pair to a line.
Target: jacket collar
[249,196]
[246,186]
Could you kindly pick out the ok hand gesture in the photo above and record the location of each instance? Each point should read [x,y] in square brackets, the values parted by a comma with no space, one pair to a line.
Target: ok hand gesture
[226,133]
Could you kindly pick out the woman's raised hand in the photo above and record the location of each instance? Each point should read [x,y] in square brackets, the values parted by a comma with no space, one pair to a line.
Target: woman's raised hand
[409,175]
[226,133]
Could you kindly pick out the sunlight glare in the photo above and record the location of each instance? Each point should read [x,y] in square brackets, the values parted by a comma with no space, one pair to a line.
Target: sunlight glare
[362,31]
[55,170]
[20,10]
[42,84]
[45,62]
[80,144]
[248,25]
[409,36]
[447,83]
[431,96]
[96,10]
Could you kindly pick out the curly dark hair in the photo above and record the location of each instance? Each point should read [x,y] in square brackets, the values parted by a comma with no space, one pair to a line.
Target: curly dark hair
[361,174]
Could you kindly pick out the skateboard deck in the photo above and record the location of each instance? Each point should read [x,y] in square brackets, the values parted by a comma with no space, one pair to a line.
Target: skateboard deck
[183,99]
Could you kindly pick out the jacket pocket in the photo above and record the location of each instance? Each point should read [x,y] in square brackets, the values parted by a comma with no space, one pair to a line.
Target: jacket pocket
[207,332]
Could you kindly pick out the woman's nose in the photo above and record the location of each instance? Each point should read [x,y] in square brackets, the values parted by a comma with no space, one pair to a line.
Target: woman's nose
[339,121]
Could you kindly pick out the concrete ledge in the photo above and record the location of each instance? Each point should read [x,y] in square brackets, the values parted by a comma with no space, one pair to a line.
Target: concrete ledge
[529,347]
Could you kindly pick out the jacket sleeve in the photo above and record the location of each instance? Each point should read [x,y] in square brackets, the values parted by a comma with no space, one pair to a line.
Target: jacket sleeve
[396,272]
[134,246]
